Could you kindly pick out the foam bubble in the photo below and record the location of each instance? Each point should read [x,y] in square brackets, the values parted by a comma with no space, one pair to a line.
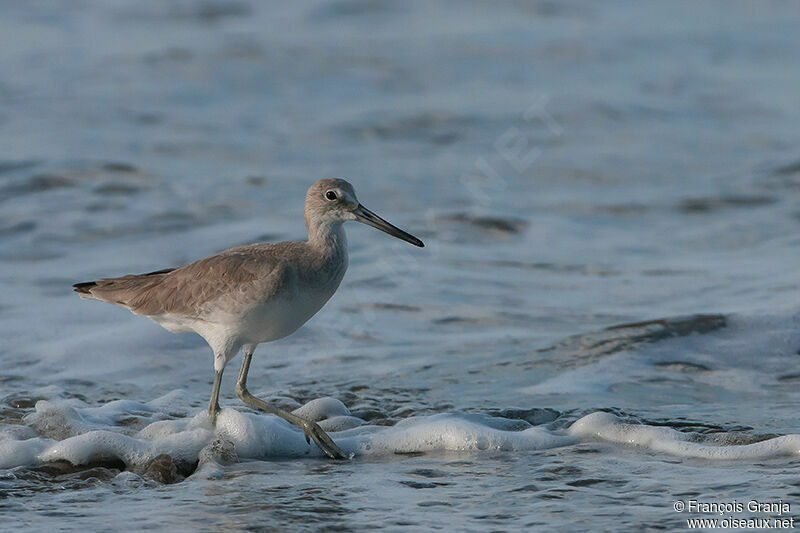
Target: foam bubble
[22,452]
[454,433]
[258,436]
[609,428]
[322,408]
[60,419]
[341,423]
[102,444]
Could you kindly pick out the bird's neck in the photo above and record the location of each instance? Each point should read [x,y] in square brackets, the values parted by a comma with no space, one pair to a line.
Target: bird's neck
[328,237]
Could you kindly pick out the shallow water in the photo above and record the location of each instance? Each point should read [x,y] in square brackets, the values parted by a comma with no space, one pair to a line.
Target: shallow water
[603,321]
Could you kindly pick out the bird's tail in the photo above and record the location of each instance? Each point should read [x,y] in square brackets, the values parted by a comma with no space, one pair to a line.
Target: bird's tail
[122,290]
[85,288]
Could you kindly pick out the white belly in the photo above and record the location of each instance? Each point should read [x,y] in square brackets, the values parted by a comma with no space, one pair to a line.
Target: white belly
[175,323]
[226,332]
[279,318]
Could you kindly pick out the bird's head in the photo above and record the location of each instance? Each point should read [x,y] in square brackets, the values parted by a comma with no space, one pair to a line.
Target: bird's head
[333,201]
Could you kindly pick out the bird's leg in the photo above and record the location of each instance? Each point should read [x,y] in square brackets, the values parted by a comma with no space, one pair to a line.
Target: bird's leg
[311,429]
[213,405]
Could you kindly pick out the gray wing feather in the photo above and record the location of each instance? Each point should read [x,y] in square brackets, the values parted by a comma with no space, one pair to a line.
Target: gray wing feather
[246,272]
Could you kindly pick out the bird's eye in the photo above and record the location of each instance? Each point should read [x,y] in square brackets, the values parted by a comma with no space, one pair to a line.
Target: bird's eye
[330,195]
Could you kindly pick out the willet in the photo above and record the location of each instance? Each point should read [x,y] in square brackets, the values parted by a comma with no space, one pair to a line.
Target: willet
[251,294]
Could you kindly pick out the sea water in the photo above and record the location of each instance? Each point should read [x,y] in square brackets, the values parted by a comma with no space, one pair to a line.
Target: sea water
[603,323]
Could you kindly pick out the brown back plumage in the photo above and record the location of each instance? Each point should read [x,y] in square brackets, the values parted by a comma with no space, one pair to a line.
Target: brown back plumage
[236,272]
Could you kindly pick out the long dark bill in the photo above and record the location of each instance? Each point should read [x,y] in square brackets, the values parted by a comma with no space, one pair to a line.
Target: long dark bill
[368,217]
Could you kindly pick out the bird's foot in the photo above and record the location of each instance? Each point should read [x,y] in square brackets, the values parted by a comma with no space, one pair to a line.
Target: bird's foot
[325,443]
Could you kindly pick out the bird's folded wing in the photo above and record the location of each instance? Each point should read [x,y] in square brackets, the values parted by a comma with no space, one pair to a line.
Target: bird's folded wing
[239,274]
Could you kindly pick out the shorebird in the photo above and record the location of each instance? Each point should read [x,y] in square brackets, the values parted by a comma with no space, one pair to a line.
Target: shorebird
[251,294]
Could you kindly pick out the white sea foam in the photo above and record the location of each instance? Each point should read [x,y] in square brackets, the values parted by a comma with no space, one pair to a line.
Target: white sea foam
[607,427]
[93,434]
[22,452]
[67,430]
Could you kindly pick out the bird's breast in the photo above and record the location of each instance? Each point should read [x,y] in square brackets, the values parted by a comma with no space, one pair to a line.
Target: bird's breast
[301,297]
